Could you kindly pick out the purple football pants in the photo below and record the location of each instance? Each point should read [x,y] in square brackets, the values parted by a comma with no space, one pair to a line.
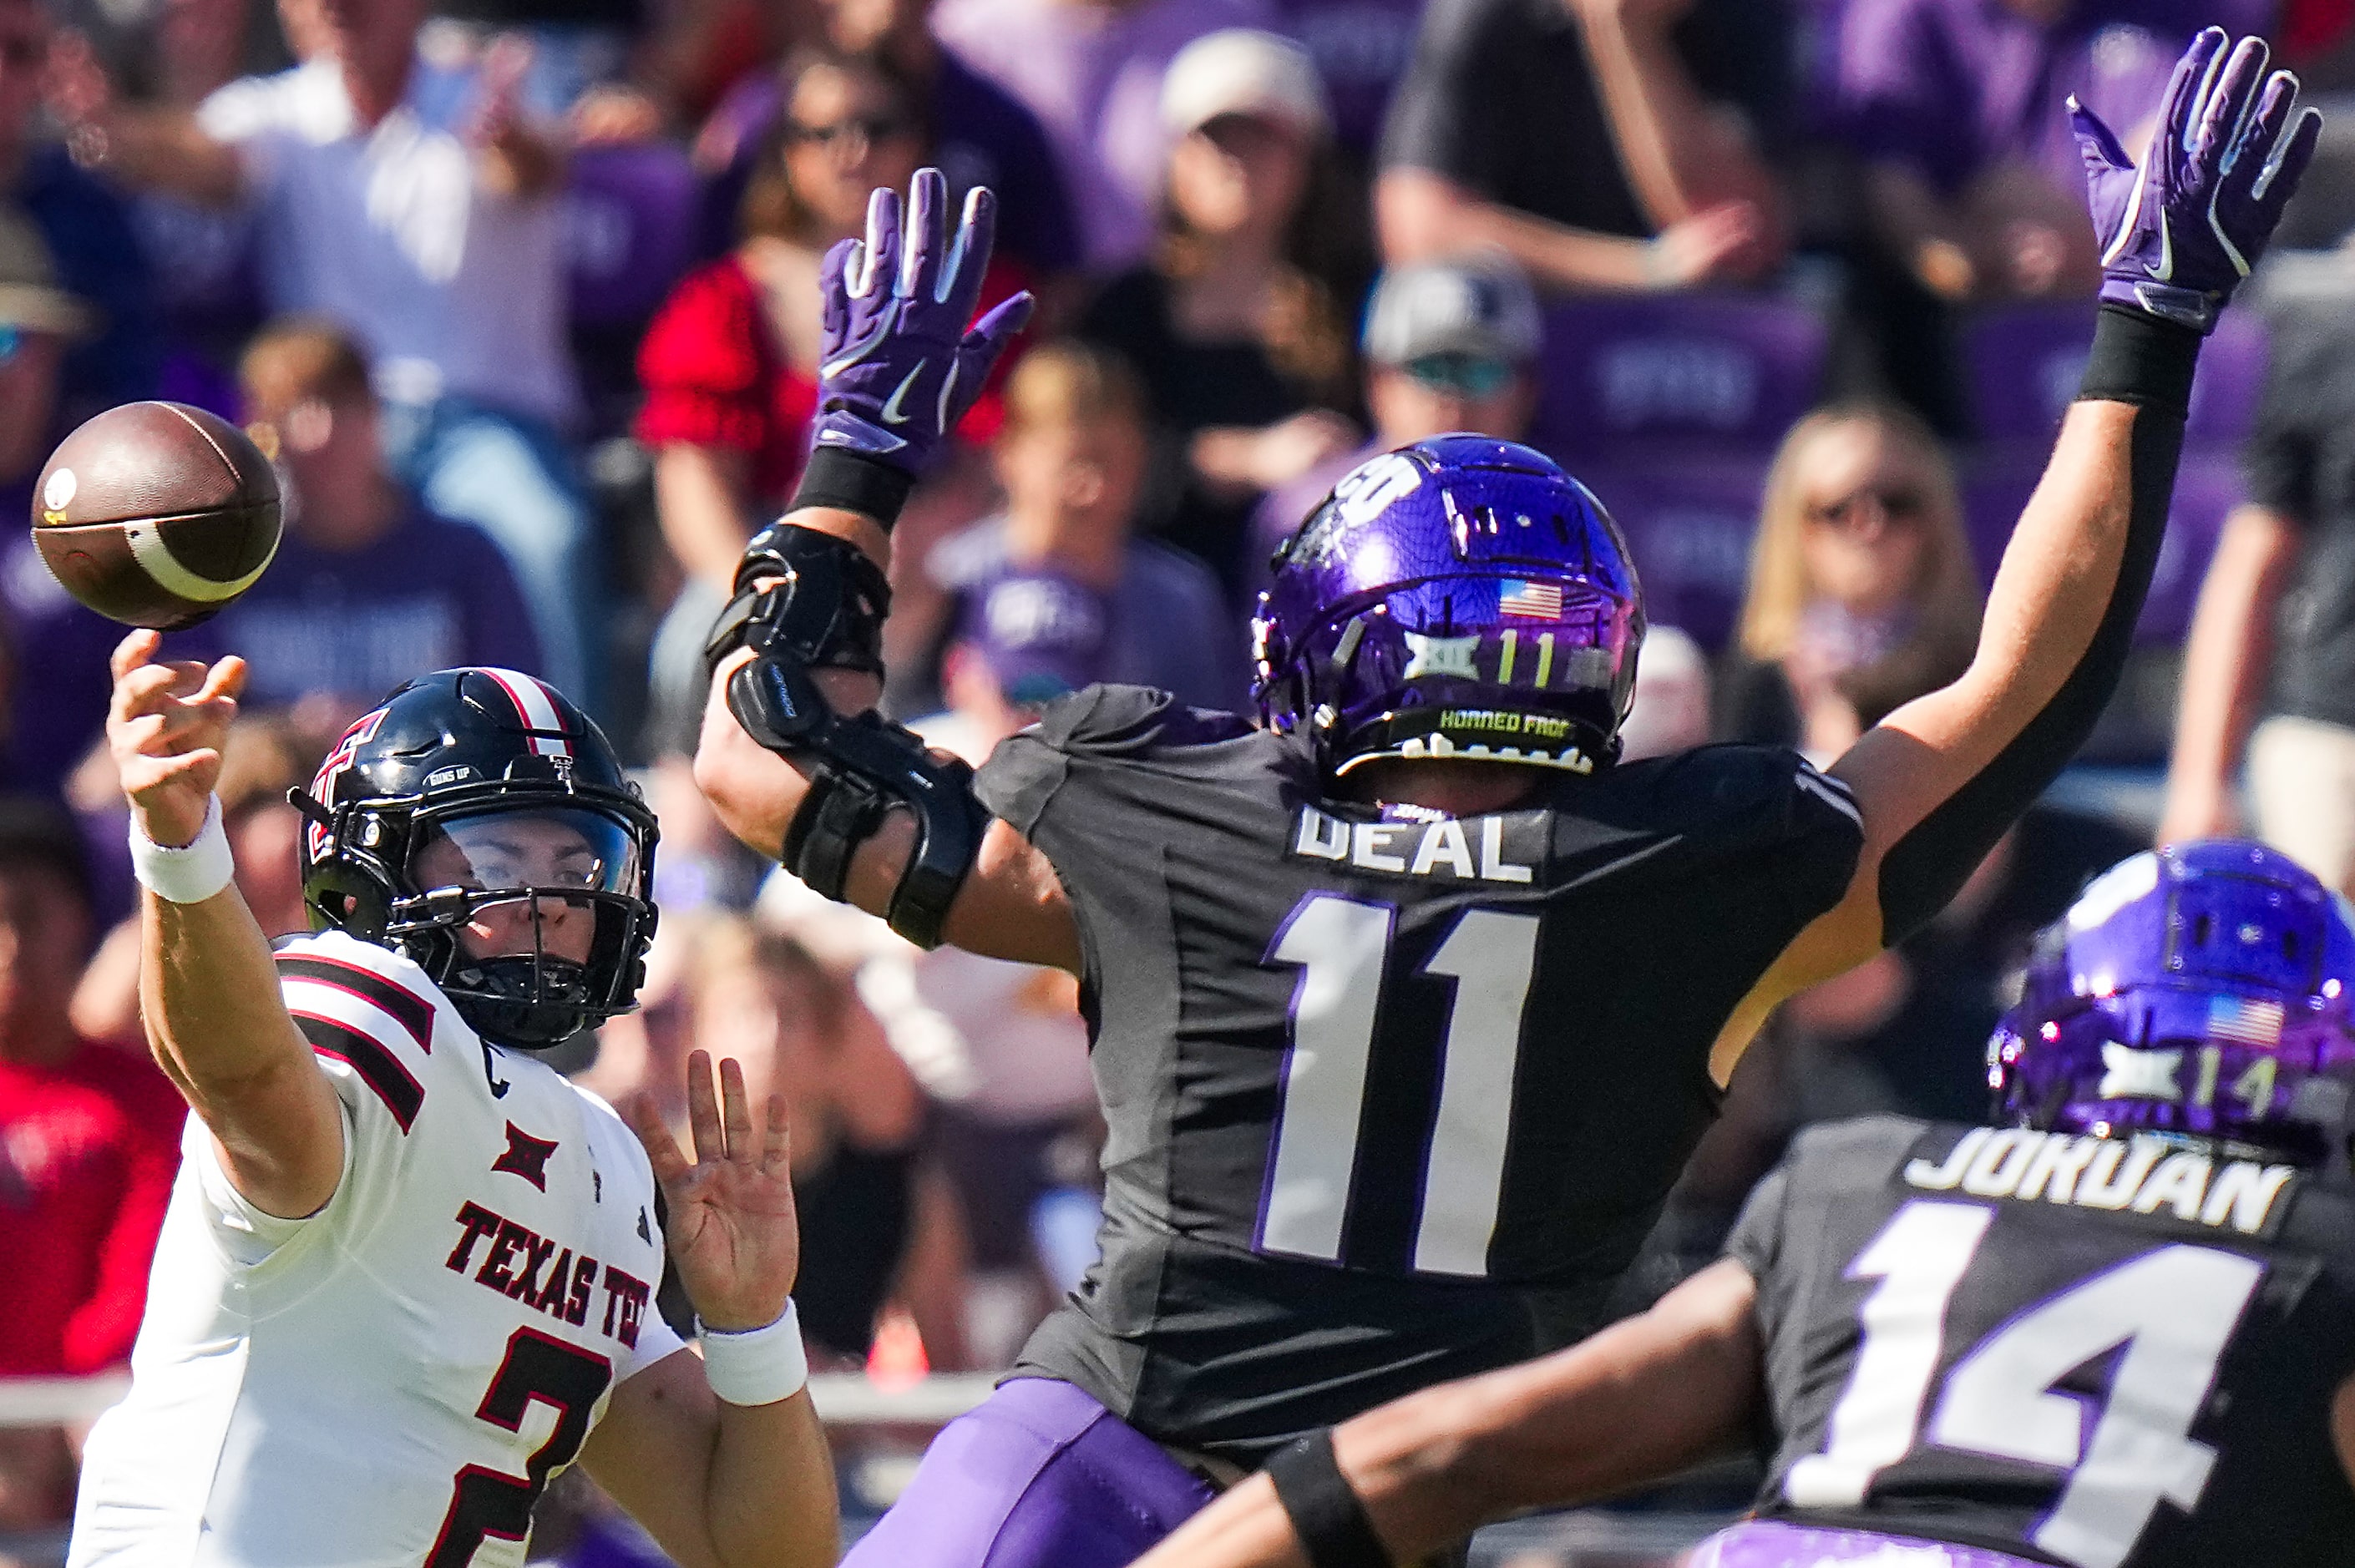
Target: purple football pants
[1039,1476]
[1769,1544]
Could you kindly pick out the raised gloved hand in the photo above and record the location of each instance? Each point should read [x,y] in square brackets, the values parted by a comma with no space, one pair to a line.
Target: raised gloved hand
[897,368]
[2181,232]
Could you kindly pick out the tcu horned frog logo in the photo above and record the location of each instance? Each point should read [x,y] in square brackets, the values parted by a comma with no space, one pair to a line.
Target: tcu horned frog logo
[315,835]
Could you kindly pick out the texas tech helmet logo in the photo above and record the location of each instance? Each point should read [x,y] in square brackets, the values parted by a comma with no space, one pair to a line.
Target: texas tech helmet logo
[316,839]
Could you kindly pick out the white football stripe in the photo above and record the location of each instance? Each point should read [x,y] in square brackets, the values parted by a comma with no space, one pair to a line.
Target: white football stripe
[155,559]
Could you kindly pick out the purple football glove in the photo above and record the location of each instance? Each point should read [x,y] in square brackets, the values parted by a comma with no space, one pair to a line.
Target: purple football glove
[2181,232]
[896,369]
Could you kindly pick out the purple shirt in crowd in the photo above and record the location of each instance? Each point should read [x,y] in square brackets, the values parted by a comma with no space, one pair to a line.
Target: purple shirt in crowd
[429,595]
[1950,88]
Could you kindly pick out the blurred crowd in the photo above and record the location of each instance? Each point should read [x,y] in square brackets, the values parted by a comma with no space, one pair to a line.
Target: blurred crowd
[520,296]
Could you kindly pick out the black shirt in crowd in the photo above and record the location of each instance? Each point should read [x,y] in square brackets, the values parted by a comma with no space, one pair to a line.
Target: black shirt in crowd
[1500,100]
[2301,463]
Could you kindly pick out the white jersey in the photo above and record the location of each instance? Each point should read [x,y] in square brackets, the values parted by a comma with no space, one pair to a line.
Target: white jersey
[394,1379]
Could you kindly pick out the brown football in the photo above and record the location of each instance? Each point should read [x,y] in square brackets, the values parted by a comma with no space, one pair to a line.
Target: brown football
[157,514]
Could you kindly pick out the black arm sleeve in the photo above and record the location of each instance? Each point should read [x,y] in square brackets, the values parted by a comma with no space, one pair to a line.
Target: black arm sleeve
[2138,359]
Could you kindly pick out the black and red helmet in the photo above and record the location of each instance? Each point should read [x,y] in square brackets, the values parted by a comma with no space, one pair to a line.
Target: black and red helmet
[447,759]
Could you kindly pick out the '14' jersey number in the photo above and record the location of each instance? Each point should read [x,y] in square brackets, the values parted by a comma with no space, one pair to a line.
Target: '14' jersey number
[2173,1308]
[1343,946]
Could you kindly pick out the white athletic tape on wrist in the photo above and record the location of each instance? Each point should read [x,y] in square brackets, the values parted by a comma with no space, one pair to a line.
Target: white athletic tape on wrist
[190,874]
[756,1366]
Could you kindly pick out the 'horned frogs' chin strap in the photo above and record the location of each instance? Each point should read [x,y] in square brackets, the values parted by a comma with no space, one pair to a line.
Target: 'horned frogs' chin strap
[826,611]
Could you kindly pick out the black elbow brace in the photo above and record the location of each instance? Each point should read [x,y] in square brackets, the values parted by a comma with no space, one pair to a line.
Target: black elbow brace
[827,612]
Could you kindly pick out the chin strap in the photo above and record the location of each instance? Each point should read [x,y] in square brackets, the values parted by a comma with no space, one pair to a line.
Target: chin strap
[823,608]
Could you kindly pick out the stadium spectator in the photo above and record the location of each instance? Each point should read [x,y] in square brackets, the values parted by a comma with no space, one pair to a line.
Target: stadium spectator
[729,366]
[84,225]
[1861,592]
[1090,71]
[2269,664]
[1971,179]
[877,1225]
[1604,144]
[982,134]
[89,1143]
[367,588]
[417,209]
[1071,458]
[180,52]
[1240,323]
[1448,346]
[54,651]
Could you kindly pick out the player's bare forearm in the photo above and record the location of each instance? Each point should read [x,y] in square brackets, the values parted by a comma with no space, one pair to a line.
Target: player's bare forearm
[772,1491]
[718,1485]
[208,983]
[208,989]
[2055,582]
[1633,1404]
[2225,661]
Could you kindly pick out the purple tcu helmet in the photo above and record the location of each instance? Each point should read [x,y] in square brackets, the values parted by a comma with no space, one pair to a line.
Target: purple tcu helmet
[2198,989]
[1459,597]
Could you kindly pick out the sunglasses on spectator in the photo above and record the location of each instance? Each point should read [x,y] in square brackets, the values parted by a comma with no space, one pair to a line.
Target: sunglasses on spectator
[1897,505]
[869,128]
[12,338]
[1463,374]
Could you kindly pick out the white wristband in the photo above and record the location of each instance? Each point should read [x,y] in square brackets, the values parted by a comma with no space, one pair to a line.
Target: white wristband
[756,1366]
[191,873]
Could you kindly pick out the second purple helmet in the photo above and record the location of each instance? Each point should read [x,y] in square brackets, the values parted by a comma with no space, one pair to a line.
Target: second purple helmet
[2200,989]
[1458,598]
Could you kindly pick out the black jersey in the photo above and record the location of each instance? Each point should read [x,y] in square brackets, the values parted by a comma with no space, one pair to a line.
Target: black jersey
[1392,1096]
[2075,1350]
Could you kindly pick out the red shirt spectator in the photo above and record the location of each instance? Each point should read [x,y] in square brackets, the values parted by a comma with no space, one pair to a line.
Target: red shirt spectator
[89,1134]
[88,1150]
[716,376]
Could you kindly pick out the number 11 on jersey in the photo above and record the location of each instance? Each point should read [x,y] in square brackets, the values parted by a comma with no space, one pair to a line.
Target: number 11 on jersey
[1343,948]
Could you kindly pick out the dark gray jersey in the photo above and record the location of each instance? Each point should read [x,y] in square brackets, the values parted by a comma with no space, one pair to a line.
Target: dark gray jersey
[2077,1349]
[1392,1096]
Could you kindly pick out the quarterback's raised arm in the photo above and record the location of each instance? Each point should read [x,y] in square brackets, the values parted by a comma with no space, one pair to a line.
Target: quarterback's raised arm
[722,1459]
[1940,780]
[1635,1402]
[793,756]
[208,985]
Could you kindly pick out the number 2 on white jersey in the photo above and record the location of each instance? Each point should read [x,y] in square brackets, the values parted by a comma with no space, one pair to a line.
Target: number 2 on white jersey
[2174,1308]
[1343,948]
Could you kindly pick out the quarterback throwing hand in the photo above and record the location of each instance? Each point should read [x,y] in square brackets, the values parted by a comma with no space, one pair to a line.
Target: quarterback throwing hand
[407,1272]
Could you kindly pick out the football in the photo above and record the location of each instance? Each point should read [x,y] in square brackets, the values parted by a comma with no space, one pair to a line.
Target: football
[157,514]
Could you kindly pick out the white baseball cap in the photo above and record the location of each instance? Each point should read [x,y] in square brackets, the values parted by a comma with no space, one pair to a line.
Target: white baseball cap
[1242,70]
[1479,304]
